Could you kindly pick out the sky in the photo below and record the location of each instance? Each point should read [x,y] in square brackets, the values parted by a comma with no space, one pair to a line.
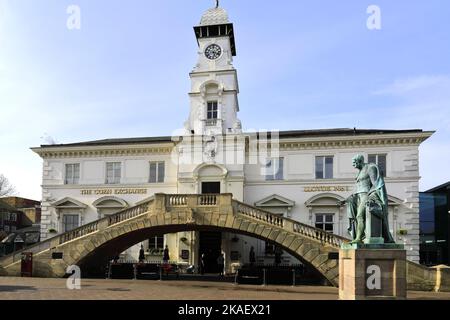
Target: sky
[309,64]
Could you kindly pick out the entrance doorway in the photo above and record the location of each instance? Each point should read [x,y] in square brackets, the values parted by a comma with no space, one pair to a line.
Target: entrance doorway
[210,245]
[210,242]
[210,187]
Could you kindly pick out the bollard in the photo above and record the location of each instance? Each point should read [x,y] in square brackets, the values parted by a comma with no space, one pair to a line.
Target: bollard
[235,277]
[293,277]
[160,273]
[264,277]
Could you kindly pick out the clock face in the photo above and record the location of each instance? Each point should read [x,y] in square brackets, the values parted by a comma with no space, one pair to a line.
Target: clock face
[213,52]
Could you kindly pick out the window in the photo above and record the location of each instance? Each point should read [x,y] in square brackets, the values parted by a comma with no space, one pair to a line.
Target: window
[380,160]
[6,228]
[324,167]
[269,248]
[157,172]
[325,222]
[13,217]
[113,172]
[70,222]
[72,173]
[156,242]
[212,110]
[156,245]
[274,169]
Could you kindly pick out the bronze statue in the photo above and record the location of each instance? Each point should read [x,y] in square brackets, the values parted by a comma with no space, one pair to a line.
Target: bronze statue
[370,198]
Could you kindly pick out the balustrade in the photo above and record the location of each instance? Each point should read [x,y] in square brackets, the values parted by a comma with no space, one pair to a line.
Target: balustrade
[207,200]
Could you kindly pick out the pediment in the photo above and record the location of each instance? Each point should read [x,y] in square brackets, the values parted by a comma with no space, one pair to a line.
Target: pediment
[110,202]
[69,203]
[275,201]
[324,200]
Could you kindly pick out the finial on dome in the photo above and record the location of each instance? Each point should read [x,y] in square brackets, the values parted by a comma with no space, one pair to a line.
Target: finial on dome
[217,3]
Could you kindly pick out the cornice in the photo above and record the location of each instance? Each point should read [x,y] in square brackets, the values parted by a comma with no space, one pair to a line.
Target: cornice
[328,182]
[102,151]
[362,141]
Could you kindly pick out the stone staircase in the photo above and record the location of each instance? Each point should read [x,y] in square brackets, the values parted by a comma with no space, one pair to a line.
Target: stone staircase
[175,213]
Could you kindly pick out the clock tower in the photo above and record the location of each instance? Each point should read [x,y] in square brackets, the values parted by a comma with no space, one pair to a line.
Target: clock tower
[214,83]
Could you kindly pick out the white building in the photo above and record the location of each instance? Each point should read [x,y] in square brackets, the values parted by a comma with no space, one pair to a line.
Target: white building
[83,182]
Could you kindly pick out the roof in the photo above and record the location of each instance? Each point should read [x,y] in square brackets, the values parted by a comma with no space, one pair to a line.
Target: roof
[105,142]
[6,207]
[214,16]
[445,186]
[282,134]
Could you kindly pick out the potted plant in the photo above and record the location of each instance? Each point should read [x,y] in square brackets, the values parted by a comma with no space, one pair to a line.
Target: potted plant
[402,232]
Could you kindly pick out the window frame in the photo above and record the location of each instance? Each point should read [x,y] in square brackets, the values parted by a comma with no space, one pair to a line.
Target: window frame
[324,222]
[117,180]
[157,172]
[377,156]
[71,180]
[63,221]
[324,167]
[214,110]
[269,174]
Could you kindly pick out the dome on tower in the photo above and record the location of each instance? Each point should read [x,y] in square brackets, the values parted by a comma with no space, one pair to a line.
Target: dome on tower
[214,16]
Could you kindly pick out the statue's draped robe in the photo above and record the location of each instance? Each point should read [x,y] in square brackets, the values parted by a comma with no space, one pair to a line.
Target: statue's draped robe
[377,194]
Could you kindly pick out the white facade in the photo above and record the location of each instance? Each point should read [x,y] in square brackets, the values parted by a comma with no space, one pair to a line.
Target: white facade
[80,183]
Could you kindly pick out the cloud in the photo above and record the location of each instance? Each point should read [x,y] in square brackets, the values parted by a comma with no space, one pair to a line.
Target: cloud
[414,85]
[424,102]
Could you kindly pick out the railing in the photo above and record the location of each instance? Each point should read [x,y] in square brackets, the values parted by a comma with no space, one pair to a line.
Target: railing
[211,122]
[128,213]
[319,235]
[300,228]
[207,200]
[258,214]
[16,256]
[176,200]
[79,232]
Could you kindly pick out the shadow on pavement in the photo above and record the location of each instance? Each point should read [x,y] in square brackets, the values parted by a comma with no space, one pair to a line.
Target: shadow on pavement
[16,288]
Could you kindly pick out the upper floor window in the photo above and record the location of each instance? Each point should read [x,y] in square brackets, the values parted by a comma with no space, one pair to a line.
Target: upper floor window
[325,222]
[212,110]
[113,172]
[324,167]
[380,160]
[72,173]
[157,172]
[274,169]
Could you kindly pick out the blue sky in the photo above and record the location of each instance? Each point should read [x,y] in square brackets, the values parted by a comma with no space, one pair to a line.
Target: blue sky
[306,64]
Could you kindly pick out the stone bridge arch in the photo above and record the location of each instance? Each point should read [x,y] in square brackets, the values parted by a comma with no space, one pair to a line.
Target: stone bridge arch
[173,213]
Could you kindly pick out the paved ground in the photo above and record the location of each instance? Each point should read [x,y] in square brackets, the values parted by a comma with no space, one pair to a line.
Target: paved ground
[55,289]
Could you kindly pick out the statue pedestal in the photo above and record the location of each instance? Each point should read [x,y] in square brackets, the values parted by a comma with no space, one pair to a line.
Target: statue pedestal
[369,272]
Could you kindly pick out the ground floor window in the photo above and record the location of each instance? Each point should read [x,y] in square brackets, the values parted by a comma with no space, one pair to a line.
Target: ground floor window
[270,248]
[156,244]
[70,222]
[325,222]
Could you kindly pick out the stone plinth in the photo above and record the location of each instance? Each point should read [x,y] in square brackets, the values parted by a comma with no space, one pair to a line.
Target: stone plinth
[372,274]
